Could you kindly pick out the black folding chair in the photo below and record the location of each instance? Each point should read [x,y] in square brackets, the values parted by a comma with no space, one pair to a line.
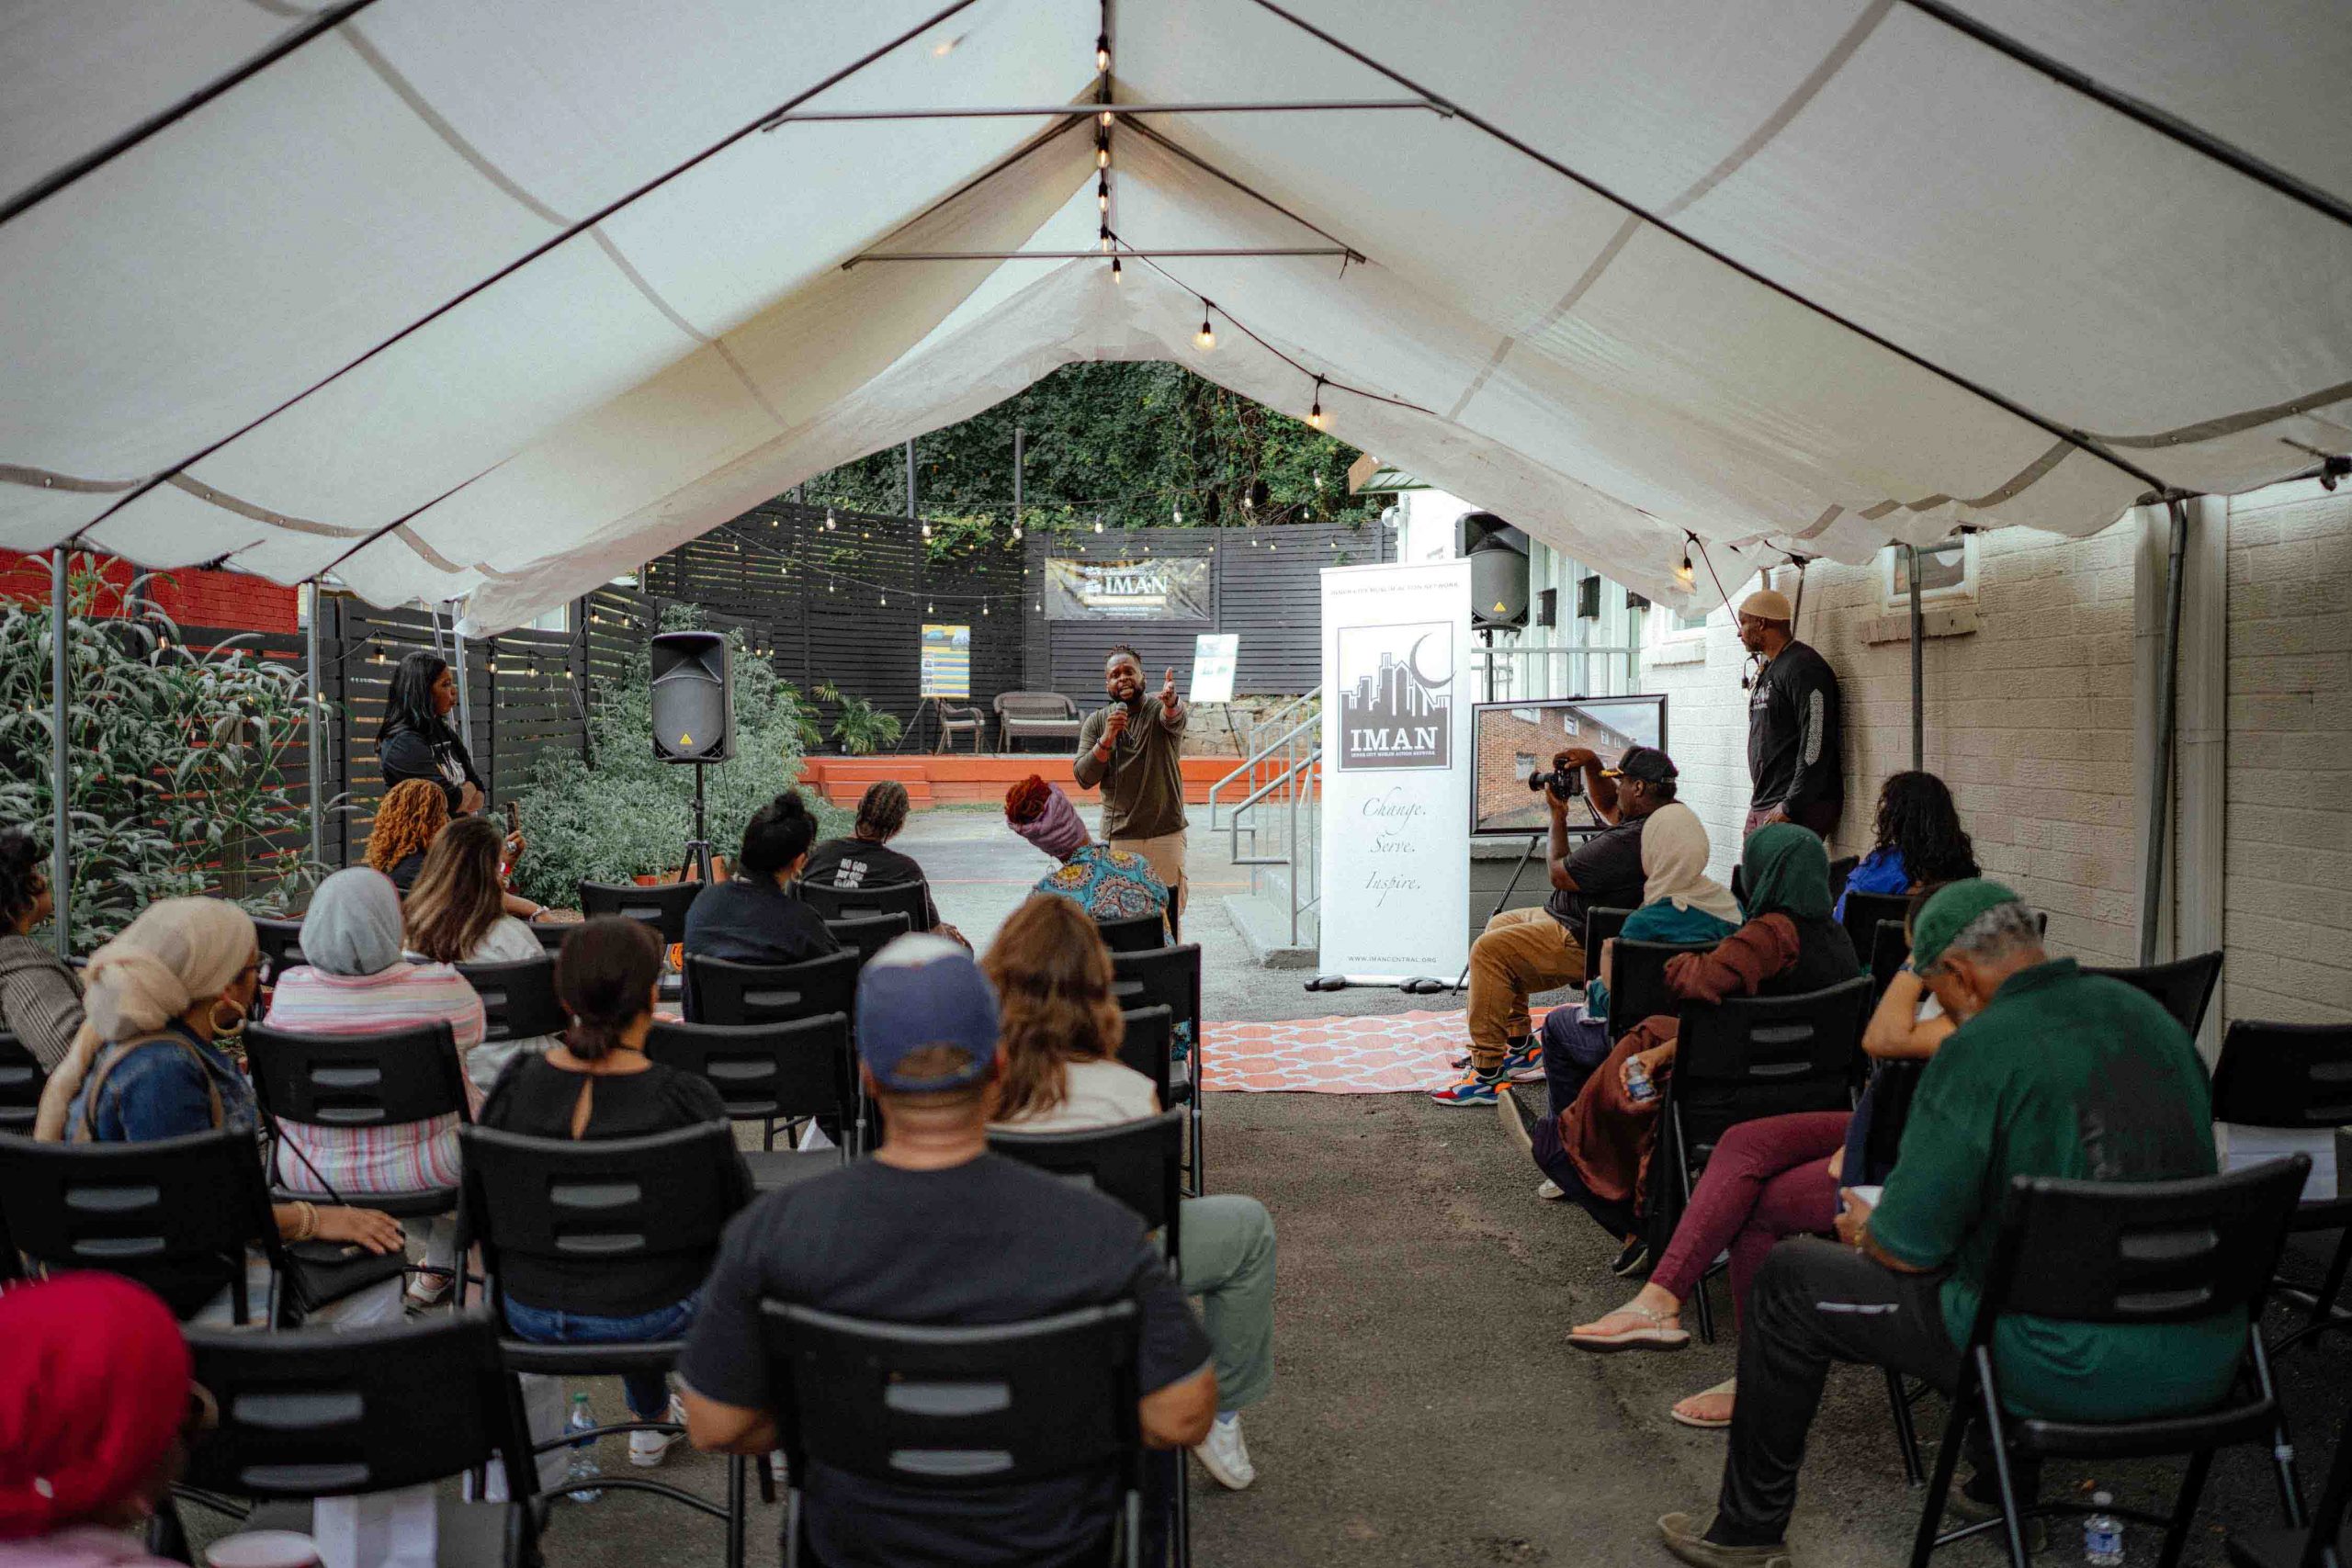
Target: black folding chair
[866,935]
[176,1214]
[2125,1253]
[773,1073]
[1864,913]
[2297,1077]
[281,946]
[551,935]
[953,1410]
[610,1205]
[322,1412]
[2185,986]
[21,1082]
[357,1080]
[719,991]
[1601,925]
[518,999]
[1638,981]
[1889,950]
[1148,1046]
[1135,933]
[832,904]
[1745,1057]
[1170,977]
[2321,1544]
[1839,870]
[661,904]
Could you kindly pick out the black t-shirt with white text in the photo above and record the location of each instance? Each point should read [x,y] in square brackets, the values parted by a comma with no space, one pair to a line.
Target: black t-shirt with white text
[859,863]
[989,1241]
[1792,732]
[406,753]
[1606,868]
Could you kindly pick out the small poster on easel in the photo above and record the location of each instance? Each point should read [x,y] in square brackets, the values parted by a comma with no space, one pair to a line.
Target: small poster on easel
[1214,657]
[946,661]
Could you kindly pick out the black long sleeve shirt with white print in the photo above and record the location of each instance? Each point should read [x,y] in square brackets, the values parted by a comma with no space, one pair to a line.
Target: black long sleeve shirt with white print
[1792,732]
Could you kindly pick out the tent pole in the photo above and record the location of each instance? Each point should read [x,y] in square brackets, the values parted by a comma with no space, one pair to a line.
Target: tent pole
[1117,111]
[1019,456]
[911,479]
[458,660]
[61,778]
[2152,875]
[316,728]
[1918,671]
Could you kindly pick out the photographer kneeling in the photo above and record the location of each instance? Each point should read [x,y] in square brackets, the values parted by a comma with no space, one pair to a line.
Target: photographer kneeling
[1524,950]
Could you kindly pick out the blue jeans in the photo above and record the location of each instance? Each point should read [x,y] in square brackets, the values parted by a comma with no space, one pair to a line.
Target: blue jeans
[648,1393]
[1573,1045]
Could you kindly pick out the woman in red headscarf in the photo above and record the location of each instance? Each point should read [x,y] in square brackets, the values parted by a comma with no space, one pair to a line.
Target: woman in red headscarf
[94,1393]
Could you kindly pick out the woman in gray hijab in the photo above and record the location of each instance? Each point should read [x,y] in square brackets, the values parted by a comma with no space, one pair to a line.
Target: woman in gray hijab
[356,981]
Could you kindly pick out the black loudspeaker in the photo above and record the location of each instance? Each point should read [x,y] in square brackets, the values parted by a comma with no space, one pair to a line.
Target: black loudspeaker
[693,698]
[1497,556]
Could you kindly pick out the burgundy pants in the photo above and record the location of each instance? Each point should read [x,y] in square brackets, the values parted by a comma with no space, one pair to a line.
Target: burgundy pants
[1767,1179]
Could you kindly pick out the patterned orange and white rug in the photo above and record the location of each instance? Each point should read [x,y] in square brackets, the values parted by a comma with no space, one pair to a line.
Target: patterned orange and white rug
[1393,1054]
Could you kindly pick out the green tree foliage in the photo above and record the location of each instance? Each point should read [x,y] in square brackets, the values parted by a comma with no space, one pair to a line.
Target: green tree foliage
[176,758]
[1135,443]
[621,813]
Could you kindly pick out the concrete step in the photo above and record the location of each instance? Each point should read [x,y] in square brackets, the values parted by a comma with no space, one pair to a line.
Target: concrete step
[1263,921]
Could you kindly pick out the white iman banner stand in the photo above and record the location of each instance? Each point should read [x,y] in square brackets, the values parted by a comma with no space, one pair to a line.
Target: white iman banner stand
[1396,770]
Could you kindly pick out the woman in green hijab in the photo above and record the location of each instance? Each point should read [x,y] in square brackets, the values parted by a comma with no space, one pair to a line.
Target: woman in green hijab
[1597,1149]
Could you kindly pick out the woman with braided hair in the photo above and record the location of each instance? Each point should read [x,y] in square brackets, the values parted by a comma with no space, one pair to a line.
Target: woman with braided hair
[1920,841]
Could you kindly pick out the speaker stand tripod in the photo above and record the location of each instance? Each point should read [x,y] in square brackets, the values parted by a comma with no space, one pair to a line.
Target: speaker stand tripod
[697,855]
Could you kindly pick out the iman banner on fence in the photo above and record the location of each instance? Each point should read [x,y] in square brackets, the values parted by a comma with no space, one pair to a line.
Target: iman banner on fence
[1150,587]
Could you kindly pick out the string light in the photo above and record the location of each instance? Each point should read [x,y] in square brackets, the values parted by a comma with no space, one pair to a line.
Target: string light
[1684,574]
[1102,151]
[1102,196]
[1116,276]
[829,520]
[926,530]
[1205,339]
[1106,239]
[1315,414]
[1103,51]
[1106,120]
[1098,524]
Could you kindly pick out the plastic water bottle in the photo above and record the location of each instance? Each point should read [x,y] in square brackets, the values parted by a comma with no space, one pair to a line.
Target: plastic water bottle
[1638,1086]
[2103,1534]
[585,1467]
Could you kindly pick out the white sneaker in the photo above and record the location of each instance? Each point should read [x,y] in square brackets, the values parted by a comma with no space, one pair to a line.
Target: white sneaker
[1549,1188]
[1226,1456]
[647,1449]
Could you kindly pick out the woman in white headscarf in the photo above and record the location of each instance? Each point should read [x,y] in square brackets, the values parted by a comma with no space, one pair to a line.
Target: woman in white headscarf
[354,981]
[144,1066]
[1680,903]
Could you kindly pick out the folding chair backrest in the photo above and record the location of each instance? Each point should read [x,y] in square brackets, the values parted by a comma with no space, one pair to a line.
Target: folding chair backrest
[1893,1083]
[2284,1075]
[2185,986]
[850,903]
[804,1066]
[324,1412]
[1135,933]
[357,1080]
[1888,951]
[21,1082]
[551,935]
[954,1409]
[2142,1251]
[1750,1056]
[661,904]
[1600,924]
[721,992]
[1637,975]
[1839,870]
[1164,977]
[176,1215]
[1135,1162]
[518,999]
[866,935]
[1865,910]
[1149,1046]
[281,946]
[608,1202]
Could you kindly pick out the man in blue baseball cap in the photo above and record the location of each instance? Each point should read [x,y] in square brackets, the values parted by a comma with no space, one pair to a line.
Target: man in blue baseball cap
[935,1230]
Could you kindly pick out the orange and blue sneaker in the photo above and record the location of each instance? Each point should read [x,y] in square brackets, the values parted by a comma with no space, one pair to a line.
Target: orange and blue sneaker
[1473,1089]
[1525,1064]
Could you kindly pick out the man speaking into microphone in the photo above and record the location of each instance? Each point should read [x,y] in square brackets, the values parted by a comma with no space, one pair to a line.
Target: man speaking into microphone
[1130,749]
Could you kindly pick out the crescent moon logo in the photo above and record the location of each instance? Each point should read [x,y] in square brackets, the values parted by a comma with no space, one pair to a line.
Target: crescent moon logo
[1427,676]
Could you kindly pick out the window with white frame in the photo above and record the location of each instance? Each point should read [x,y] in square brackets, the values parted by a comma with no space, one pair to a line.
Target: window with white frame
[1947,572]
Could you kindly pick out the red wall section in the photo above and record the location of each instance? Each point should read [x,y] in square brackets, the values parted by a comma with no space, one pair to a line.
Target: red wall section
[229,600]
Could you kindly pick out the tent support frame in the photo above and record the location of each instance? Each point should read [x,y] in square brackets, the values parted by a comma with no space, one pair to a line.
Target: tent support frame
[1918,670]
[1124,252]
[1040,111]
[2151,873]
[315,732]
[60,775]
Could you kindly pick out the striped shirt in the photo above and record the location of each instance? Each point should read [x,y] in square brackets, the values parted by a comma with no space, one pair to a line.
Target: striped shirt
[406,1157]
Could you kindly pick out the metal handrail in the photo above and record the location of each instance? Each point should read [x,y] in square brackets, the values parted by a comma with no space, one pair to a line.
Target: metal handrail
[1250,764]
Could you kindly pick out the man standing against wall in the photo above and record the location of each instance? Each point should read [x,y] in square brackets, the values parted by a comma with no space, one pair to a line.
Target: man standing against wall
[1131,749]
[1794,752]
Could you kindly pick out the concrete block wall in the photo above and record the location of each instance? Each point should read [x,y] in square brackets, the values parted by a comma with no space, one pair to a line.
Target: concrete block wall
[2287,835]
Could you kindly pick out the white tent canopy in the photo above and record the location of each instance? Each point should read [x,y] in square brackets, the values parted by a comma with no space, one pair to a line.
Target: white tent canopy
[494,302]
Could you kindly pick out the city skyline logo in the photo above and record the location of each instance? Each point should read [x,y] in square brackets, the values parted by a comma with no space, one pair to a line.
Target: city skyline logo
[1396,696]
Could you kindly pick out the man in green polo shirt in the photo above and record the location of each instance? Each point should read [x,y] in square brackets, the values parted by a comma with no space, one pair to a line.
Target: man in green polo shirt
[2052,1072]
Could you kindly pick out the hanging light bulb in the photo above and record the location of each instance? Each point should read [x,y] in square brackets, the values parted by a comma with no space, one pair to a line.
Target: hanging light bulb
[1102,196]
[1177,511]
[1315,414]
[1205,339]
[926,529]
[886,601]
[1106,120]
[1098,524]
[1683,574]
[1102,151]
[1106,239]
[1319,480]
[1016,533]
[984,606]
[1102,51]
[829,520]
[1116,275]
[929,608]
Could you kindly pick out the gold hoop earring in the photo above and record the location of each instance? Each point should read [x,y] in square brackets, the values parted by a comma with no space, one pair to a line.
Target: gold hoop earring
[235,1026]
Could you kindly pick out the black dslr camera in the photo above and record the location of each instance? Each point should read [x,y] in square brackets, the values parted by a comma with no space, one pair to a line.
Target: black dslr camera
[1566,784]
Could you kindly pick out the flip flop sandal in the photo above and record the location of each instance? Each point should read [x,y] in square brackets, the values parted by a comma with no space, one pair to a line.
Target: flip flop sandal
[1656,1336]
[1728,1386]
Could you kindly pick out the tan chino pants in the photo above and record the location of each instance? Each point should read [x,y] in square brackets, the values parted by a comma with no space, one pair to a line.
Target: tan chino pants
[1520,952]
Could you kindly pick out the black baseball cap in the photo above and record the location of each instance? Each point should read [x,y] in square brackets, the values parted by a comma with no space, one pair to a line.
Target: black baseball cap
[1647,763]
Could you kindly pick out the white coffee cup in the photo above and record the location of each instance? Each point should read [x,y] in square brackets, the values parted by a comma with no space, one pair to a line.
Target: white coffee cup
[263,1548]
